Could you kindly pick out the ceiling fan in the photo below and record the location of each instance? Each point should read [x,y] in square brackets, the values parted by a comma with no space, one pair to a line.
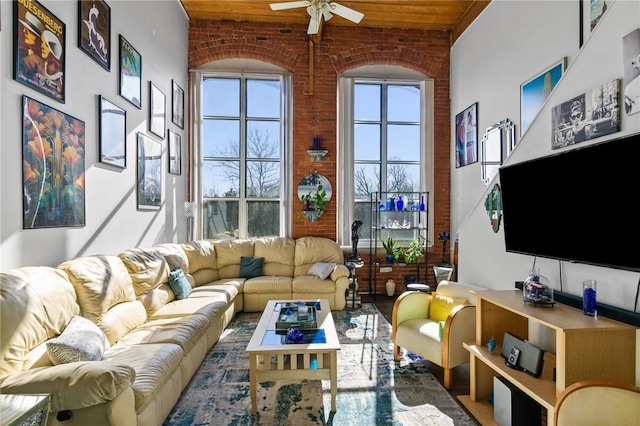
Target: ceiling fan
[320,9]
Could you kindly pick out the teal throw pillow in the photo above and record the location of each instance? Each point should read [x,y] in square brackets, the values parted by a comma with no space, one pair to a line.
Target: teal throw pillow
[251,267]
[179,283]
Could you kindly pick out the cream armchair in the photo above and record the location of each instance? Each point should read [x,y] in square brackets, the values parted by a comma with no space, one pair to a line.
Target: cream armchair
[597,402]
[436,337]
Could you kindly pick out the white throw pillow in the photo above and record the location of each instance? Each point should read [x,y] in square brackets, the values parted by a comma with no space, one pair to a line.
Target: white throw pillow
[81,340]
[322,269]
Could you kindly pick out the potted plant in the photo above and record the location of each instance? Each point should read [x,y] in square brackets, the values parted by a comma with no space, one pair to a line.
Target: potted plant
[315,203]
[415,250]
[392,250]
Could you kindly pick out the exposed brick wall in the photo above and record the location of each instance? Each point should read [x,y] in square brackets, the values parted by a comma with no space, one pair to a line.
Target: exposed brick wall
[341,49]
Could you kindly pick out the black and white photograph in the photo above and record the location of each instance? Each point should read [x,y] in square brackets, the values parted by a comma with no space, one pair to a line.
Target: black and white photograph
[631,73]
[587,116]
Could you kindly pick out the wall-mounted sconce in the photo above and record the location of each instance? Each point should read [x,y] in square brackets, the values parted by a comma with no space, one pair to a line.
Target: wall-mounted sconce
[316,153]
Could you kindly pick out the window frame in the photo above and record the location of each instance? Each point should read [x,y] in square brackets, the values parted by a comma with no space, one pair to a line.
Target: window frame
[285,136]
[346,141]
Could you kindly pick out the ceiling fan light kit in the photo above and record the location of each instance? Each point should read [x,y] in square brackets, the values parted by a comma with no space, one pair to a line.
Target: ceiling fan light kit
[320,10]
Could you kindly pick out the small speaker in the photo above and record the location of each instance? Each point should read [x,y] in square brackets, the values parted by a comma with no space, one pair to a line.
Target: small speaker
[526,357]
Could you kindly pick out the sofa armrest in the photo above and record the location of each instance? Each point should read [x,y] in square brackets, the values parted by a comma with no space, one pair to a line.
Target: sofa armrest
[74,385]
[339,271]
[459,327]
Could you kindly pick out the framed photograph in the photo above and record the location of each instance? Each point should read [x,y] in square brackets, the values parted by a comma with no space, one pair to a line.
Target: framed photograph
[587,116]
[534,92]
[130,73]
[591,11]
[52,167]
[39,49]
[177,104]
[149,184]
[157,110]
[175,150]
[467,136]
[94,31]
[113,133]
[631,71]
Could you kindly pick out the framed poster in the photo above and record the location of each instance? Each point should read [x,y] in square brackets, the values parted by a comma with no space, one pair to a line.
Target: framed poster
[94,31]
[631,71]
[52,167]
[534,92]
[113,133]
[177,104]
[591,11]
[149,176]
[39,49]
[586,116]
[157,110]
[175,149]
[130,73]
[467,136]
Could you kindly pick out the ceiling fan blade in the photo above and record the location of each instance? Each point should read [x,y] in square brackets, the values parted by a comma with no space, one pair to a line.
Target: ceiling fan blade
[314,25]
[289,5]
[326,11]
[345,12]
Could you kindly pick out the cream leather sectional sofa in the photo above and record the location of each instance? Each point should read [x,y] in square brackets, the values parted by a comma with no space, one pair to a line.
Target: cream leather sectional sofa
[155,342]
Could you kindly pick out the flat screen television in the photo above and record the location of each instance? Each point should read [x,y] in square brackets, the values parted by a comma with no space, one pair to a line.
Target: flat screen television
[580,205]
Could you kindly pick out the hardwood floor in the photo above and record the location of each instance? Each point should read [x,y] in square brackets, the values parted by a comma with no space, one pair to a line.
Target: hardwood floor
[460,385]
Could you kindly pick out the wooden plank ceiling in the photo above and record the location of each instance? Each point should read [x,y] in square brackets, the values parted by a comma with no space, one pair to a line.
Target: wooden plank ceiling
[443,15]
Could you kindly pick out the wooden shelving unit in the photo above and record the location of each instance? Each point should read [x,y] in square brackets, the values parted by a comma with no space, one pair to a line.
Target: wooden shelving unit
[586,348]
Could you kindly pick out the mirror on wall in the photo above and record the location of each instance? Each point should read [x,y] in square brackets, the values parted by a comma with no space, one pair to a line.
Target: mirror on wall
[493,206]
[497,143]
[314,191]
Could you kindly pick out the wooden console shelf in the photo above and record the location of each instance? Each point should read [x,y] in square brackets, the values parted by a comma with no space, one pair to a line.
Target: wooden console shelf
[586,348]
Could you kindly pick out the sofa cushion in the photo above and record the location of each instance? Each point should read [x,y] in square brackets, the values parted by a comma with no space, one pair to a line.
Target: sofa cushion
[179,283]
[81,340]
[322,270]
[278,255]
[228,254]
[250,267]
[154,364]
[311,285]
[310,250]
[147,268]
[37,303]
[440,306]
[268,285]
[100,281]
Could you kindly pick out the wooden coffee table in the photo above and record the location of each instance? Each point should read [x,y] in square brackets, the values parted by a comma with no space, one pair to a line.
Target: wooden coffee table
[271,359]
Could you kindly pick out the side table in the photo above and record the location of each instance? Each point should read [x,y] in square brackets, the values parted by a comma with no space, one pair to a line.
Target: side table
[24,410]
[353,298]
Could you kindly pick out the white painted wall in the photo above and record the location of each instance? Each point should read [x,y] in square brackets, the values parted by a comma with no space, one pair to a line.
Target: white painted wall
[159,31]
[511,42]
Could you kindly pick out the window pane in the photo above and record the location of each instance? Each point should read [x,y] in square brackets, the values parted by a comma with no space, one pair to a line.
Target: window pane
[221,138]
[403,104]
[264,218]
[366,180]
[263,179]
[220,179]
[367,142]
[403,142]
[220,219]
[263,98]
[403,178]
[221,97]
[367,102]
[263,139]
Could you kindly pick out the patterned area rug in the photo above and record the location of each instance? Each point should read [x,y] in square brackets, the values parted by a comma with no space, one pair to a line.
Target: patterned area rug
[372,388]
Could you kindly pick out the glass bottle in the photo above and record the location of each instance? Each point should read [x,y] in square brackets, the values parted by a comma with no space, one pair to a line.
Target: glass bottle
[400,203]
[589,304]
[421,203]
